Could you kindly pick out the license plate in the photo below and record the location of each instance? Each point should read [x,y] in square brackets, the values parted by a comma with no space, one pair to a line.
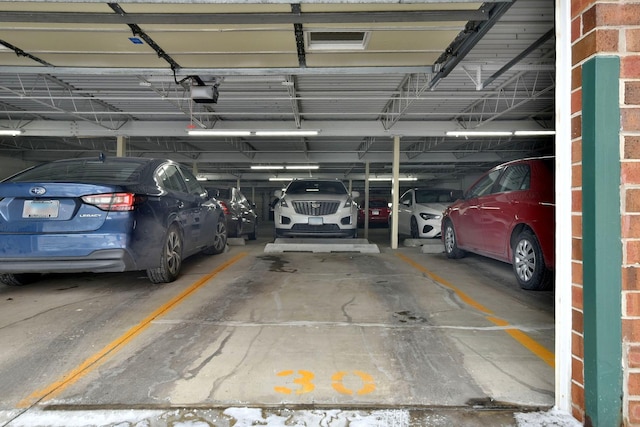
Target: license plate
[375,212]
[315,220]
[40,209]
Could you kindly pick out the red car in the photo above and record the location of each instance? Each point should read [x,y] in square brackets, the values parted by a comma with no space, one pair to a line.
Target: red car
[509,215]
[378,213]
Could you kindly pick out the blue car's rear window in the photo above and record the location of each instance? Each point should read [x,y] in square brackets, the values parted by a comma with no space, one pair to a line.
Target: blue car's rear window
[86,171]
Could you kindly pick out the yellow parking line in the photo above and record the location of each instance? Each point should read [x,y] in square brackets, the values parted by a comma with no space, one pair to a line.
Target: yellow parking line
[464,297]
[529,343]
[534,346]
[110,349]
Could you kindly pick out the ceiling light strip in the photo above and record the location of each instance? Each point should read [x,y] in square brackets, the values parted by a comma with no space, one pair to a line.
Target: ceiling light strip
[408,178]
[302,167]
[534,132]
[457,133]
[239,132]
[211,132]
[266,167]
[281,178]
[286,132]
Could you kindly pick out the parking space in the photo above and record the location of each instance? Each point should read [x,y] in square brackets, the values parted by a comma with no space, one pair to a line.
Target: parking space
[394,330]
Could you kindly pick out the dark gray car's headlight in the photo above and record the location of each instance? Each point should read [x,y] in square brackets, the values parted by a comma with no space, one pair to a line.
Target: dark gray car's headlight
[427,216]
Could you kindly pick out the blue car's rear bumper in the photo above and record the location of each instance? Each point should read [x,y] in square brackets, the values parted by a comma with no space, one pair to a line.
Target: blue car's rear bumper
[102,261]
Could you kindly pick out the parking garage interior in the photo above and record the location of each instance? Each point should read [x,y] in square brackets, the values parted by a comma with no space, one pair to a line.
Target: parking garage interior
[383,96]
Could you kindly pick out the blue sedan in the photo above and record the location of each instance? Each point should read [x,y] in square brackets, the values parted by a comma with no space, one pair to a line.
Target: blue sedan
[105,215]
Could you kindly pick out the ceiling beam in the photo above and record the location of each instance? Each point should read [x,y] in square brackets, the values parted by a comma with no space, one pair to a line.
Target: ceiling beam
[245,18]
[185,72]
[519,57]
[411,89]
[465,42]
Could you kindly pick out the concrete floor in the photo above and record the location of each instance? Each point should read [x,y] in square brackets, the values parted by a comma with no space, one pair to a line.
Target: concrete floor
[444,342]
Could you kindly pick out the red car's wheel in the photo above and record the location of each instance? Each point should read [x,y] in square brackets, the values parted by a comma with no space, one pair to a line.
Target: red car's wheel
[451,243]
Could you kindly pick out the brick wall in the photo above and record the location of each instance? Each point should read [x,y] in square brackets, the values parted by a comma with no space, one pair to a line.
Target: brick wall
[610,28]
[630,138]
[579,52]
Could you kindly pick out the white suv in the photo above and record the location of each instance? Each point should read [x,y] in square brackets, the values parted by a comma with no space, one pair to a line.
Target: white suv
[316,207]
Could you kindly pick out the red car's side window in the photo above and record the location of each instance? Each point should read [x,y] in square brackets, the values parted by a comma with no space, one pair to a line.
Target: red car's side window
[516,177]
[485,185]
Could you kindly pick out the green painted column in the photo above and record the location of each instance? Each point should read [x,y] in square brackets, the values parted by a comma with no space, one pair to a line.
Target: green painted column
[602,247]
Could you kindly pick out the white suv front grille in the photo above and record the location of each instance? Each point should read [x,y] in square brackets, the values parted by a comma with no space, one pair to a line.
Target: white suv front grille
[316,208]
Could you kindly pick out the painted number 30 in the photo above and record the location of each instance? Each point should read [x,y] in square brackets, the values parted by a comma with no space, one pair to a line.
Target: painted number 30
[304,379]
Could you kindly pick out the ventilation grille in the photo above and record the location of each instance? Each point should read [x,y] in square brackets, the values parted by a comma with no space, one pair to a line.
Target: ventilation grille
[337,40]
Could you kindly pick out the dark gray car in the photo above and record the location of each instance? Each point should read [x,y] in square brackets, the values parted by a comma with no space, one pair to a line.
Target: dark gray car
[238,211]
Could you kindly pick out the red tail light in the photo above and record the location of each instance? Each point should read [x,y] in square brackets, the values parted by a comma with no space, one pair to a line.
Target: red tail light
[112,201]
[225,208]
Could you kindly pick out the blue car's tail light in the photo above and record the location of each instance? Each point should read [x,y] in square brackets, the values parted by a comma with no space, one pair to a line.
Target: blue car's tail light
[112,201]
[225,208]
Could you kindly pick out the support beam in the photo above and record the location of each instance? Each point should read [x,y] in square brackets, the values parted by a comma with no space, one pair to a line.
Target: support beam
[602,247]
[395,196]
[121,149]
[366,200]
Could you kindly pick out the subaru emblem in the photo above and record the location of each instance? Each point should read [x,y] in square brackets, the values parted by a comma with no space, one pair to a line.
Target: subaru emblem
[37,191]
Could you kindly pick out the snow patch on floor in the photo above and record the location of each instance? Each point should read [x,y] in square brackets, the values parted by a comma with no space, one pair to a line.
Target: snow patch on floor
[248,417]
[551,418]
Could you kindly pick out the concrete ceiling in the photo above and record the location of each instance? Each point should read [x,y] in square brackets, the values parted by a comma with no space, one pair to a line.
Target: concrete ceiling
[75,76]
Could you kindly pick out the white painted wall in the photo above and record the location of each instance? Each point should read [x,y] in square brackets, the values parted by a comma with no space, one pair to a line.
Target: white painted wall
[563,206]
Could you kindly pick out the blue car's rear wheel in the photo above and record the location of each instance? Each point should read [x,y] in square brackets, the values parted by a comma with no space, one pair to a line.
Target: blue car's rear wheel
[219,239]
[170,258]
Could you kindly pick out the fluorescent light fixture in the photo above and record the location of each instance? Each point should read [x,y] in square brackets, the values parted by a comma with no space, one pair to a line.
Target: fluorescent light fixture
[12,132]
[266,167]
[212,132]
[238,132]
[286,132]
[302,167]
[478,133]
[534,132]
[402,178]
[281,178]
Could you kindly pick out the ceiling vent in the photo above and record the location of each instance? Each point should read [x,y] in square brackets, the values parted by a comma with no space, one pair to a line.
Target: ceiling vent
[337,40]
